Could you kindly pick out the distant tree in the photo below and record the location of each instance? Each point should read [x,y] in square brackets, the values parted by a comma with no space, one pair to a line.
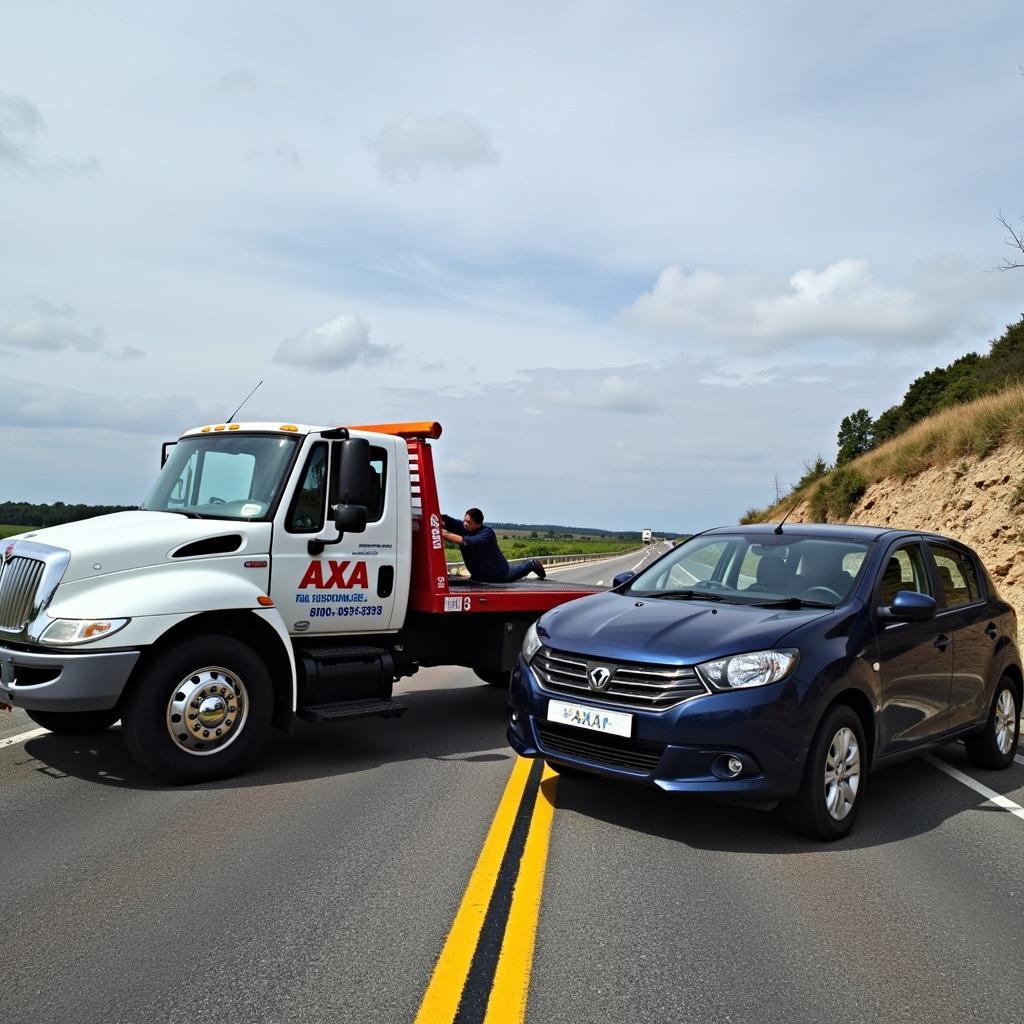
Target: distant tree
[856,436]
[814,470]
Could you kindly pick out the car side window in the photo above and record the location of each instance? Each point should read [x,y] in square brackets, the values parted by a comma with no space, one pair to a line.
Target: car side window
[905,570]
[307,512]
[957,575]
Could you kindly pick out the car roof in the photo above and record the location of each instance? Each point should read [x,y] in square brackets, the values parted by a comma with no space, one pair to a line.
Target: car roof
[833,531]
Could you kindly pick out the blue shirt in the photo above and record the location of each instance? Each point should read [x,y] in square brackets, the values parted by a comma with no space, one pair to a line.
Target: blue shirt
[480,552]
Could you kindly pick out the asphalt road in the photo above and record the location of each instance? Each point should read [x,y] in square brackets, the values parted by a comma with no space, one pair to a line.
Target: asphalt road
[321,885]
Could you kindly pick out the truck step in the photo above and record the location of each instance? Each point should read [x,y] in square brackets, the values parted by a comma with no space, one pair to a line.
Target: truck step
[345,710]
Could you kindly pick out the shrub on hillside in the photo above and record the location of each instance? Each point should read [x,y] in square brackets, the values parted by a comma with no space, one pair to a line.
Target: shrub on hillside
[833,499]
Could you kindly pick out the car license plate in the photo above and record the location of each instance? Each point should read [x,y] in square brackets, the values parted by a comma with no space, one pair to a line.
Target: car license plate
[583,717]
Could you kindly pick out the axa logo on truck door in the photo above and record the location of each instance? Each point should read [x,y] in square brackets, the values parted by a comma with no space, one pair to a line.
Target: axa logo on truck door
[349,578]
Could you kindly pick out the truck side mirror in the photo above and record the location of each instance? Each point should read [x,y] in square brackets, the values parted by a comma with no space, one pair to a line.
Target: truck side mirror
[353,471]
[352,459]
[165,452]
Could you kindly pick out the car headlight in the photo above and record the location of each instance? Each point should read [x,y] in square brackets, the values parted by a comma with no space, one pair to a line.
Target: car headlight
[531,643]
[759,668]
[80,631]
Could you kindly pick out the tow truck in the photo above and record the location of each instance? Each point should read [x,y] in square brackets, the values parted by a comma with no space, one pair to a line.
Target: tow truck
[275,572]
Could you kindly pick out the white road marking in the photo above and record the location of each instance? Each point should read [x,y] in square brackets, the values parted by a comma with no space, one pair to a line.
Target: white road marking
[1018,759]
[990,794]
[22,737]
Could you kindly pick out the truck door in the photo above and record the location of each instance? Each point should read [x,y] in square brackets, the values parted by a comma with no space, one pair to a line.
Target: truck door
[349,587]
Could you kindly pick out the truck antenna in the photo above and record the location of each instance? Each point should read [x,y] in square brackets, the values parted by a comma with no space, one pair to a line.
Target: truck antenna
[231,418]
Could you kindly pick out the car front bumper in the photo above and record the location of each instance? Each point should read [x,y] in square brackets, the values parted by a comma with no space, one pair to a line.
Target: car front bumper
[64,680]
[683,749]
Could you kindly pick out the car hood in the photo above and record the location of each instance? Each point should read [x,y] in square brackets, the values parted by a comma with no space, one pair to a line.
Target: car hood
[625,627]
[133,540]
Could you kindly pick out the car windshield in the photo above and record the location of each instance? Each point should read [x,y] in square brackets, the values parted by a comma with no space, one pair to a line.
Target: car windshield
[756,568]
[226,476]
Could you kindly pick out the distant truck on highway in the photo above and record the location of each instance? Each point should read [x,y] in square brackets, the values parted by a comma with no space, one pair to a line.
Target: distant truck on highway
[274,571]
[645,536]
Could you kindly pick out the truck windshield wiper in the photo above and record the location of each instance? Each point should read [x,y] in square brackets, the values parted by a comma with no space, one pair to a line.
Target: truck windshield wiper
[793,602]
[686,595]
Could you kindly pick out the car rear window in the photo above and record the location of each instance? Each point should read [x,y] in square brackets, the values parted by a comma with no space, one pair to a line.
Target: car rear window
[957,576]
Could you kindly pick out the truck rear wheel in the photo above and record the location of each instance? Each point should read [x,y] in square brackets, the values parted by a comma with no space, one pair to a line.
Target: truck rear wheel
[200,711]
[75,723]
[492,677]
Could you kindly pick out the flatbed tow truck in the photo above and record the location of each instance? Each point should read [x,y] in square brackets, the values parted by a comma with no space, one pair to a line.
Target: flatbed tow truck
[274,572]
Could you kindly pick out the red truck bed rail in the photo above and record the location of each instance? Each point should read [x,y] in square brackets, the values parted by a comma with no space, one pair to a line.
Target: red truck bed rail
[430,589]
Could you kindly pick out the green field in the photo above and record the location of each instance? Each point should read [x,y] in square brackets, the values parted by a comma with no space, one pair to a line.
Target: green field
[10,531]
[518,544]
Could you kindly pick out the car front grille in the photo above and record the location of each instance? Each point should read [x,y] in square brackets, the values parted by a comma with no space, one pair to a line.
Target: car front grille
[634,685]
[19,582]
[599,748]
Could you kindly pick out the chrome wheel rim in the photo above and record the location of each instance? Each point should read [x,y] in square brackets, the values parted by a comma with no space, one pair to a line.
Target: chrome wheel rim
[207,711]
[842,774]
[1006,721]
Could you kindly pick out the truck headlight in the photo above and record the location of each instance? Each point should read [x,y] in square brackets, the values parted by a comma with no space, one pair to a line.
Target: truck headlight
[531,643]
[759,668]
[80,631]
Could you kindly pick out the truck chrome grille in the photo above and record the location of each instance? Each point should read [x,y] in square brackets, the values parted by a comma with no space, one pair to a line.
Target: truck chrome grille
[654,687]
[19,582]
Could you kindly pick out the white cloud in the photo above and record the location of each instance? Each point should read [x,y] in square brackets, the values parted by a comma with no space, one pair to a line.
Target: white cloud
[21,127]
[459,468]
[237,82]
[49,334]
[452,142]
[339,343]
[29,403]
[843,301]
[611,393]
[21,124]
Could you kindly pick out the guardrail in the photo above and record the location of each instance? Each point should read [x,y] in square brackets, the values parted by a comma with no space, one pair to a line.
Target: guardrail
[454,567]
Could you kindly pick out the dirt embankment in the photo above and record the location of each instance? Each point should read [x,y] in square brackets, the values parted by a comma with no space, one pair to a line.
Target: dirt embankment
[971,500]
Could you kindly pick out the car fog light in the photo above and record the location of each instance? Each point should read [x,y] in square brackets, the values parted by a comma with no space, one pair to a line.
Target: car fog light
[734,766]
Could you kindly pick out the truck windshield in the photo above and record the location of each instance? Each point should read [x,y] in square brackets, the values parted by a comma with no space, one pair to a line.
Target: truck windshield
[226,476]
[757,569]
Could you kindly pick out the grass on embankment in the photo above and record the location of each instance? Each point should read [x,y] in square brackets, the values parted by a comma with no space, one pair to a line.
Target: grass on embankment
[10,531]
[975,429]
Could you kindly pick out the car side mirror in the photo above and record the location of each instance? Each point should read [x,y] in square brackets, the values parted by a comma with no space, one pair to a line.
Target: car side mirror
[622,578]
[909,606]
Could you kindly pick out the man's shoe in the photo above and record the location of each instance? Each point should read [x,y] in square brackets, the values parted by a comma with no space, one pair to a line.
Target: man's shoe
[539,569]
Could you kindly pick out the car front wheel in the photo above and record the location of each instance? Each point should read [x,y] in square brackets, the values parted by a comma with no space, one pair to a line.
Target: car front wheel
[833,784]
[995,744]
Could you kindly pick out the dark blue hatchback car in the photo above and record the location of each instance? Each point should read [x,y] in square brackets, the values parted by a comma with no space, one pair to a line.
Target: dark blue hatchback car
[775,665]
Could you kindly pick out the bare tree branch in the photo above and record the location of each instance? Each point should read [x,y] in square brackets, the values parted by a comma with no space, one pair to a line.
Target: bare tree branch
[1015,241]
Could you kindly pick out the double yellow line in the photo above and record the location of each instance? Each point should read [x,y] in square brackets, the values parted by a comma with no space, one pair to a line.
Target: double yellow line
[502,897]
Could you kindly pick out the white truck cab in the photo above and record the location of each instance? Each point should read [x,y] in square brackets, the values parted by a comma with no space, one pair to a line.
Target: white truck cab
[273,570]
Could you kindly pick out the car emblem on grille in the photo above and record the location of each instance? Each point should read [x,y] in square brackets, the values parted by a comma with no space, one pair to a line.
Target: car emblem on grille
[8,552]
[600,677]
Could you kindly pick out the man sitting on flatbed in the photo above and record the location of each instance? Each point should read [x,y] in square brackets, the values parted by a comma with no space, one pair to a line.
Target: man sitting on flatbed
[479,548]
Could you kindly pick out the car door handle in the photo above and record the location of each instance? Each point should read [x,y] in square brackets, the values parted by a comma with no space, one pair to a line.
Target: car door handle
[991,630]
[941,641]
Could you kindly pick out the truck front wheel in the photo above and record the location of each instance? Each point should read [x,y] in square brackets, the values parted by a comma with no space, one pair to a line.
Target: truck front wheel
[199,711]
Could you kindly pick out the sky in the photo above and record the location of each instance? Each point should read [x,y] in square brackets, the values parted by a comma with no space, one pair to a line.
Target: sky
[638,259]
